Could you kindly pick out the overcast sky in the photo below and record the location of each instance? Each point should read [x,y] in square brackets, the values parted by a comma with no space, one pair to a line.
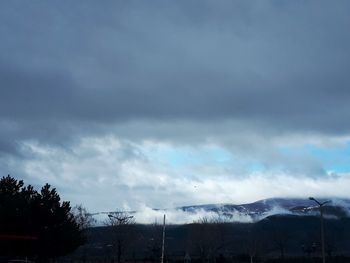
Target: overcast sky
[134,104]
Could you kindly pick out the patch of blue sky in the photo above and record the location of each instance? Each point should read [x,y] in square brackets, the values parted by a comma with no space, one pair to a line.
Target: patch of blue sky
[334,159]
[255,166]
[179,157]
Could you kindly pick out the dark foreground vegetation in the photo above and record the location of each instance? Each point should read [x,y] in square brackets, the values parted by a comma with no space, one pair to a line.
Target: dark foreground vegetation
[37,225]
[274,239]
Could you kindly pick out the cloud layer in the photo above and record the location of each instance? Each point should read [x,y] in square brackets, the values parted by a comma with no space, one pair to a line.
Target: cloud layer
[172,103]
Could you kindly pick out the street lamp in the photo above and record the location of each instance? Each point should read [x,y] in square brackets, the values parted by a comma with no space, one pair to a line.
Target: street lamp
[121,220]
[320,207]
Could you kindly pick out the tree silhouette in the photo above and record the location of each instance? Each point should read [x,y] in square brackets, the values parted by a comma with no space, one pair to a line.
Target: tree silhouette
[84,221]
[209,237]
[123,232]
[37,216]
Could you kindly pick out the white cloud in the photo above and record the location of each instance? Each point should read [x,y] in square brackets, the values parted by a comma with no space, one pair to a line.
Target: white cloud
[168,104]
[107,173]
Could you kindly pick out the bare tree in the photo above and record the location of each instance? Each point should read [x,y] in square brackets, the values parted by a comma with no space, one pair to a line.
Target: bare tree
[253,244]
[280,239]
[83,217]
[209,237]
[84,220]
[122,226]
[252,247]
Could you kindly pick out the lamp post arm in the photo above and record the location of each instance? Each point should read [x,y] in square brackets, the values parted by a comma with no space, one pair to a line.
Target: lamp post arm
[325,202]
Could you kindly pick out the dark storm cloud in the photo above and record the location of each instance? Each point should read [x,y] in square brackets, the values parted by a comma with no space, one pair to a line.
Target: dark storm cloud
[68,67]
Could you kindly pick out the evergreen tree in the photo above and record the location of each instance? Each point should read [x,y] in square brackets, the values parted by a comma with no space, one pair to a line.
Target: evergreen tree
[38,218]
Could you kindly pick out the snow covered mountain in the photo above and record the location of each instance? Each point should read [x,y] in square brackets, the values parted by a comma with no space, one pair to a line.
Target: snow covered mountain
[251,212]
[258,210]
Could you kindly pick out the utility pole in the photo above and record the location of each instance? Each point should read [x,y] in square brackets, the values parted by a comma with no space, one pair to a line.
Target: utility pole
[320,207]
[163,241]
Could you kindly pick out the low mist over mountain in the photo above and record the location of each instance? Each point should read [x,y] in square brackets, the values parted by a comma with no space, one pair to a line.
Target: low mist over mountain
[245,213]
[337,208]
[278,227]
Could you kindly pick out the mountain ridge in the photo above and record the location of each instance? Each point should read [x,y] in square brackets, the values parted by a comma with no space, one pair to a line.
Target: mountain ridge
[337,208]
[244,213]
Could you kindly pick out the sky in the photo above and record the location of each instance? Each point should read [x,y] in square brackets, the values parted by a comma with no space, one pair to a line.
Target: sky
[134,105]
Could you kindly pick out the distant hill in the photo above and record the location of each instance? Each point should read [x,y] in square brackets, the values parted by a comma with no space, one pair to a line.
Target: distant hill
[244,213]
[279,228]
[338,208]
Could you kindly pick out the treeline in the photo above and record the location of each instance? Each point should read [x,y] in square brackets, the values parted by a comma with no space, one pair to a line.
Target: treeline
[274,239]
[37,224]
